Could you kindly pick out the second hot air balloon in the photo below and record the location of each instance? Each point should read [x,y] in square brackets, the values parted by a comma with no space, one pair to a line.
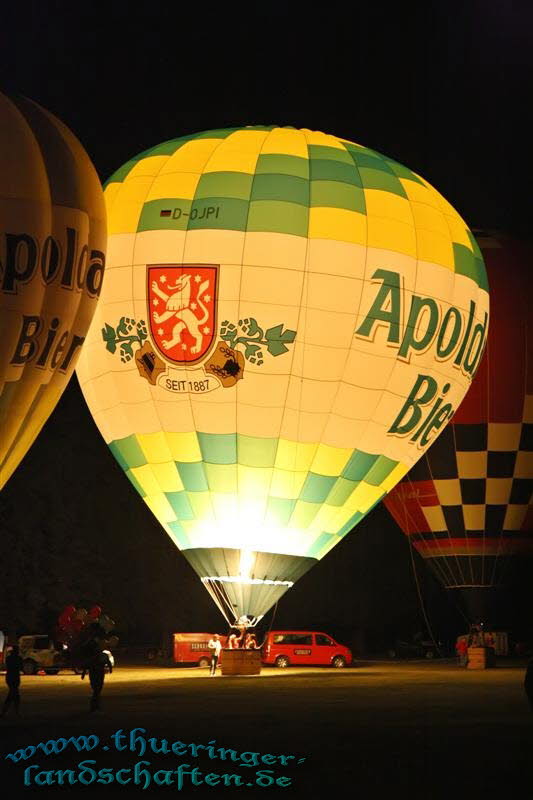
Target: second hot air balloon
[288,321]
[52,246]
[467,506]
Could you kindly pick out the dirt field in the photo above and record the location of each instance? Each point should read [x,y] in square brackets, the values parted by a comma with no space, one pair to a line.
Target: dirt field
[428,730]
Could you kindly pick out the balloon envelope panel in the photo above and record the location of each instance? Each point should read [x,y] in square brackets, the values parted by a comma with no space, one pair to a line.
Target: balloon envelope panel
[52,244]
[467,504]
[288,319]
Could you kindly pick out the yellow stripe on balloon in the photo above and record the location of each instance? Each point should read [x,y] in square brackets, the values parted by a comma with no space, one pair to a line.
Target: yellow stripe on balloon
[160,507]
[164,186]
[128,204]
[297,456]
[184,446]
[392,235]
[287,484]
[147,167]
[286,141]
[330,460]
[337,223]
[191,156]
[155,447]
[167,477]
[146,480]
[323,140]
[434,247]
[237,153]
[388,206]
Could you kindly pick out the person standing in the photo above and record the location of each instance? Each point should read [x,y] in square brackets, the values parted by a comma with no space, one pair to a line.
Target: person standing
[215,645]
[462,651]
[528,682]
[96,668]
[13,670]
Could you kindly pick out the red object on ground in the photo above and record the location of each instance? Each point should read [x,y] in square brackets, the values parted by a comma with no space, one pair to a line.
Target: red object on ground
[296,648]
[191,648]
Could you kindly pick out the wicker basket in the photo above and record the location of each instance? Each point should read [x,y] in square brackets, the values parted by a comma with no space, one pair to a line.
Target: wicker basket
[478,658]
[240,662]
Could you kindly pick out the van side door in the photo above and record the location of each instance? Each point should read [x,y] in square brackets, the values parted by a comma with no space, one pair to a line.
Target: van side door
[325,648]
[300,647]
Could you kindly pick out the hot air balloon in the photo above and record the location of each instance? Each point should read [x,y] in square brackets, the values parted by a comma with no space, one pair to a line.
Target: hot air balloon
[466,506]
[288,321]
[52,244]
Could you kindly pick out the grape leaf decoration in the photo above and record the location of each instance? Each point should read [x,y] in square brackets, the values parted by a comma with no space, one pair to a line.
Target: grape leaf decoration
[127,333]
[255,339]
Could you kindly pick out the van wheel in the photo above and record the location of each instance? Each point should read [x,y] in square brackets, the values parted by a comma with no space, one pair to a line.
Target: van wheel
[204,662]
[29,667]
[282,662]
[338,662]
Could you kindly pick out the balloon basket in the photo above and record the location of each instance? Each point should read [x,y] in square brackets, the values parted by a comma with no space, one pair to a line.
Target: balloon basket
[480,658]
[240,662]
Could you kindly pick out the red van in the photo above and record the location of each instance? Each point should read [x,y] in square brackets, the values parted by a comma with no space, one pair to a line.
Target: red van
[191,648]
[296,648]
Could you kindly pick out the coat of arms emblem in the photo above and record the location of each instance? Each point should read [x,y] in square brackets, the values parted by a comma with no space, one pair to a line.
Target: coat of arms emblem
[181,302]
[182,310]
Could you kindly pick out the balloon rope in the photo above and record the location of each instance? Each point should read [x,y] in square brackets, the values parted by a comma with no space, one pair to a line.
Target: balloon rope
[260,646]
[422,606]
[218,596]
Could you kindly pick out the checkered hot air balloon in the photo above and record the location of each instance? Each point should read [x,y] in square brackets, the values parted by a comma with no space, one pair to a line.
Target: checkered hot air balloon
[466,506]
[288,320]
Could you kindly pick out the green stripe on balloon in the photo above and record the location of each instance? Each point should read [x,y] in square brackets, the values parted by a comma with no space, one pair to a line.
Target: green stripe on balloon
[128,452]
[324,170]
[255,452]
[278,217]
[218,448]
[378,179]
[337,194]
[287,188]
[380,470]
[272,164]
[237,185]
[319,152]
[317,487]
[279,510]
[341,491]
[222,478]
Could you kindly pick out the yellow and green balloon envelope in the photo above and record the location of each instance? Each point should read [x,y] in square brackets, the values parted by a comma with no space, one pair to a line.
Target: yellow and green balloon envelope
[52,244]
[288,321]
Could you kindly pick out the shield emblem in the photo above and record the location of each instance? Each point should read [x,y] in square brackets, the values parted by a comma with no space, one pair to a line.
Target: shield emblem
[182,310]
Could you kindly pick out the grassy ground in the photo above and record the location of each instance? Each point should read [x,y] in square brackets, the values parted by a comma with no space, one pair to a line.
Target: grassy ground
[428,730]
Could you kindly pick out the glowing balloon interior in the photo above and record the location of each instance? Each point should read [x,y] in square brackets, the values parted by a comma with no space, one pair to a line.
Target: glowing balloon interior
[288,320]
[52,244]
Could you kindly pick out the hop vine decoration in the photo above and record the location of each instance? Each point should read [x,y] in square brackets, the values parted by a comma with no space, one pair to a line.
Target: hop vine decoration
[125,335]
[255,339]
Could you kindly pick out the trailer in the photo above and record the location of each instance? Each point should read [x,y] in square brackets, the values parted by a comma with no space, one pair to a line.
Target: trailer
[192,648]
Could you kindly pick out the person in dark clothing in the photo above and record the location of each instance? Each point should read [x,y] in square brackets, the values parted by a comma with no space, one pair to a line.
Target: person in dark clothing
[96,668]
[528,682]
[13,670]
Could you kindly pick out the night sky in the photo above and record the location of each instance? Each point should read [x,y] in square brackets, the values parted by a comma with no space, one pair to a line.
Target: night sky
[445,90]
